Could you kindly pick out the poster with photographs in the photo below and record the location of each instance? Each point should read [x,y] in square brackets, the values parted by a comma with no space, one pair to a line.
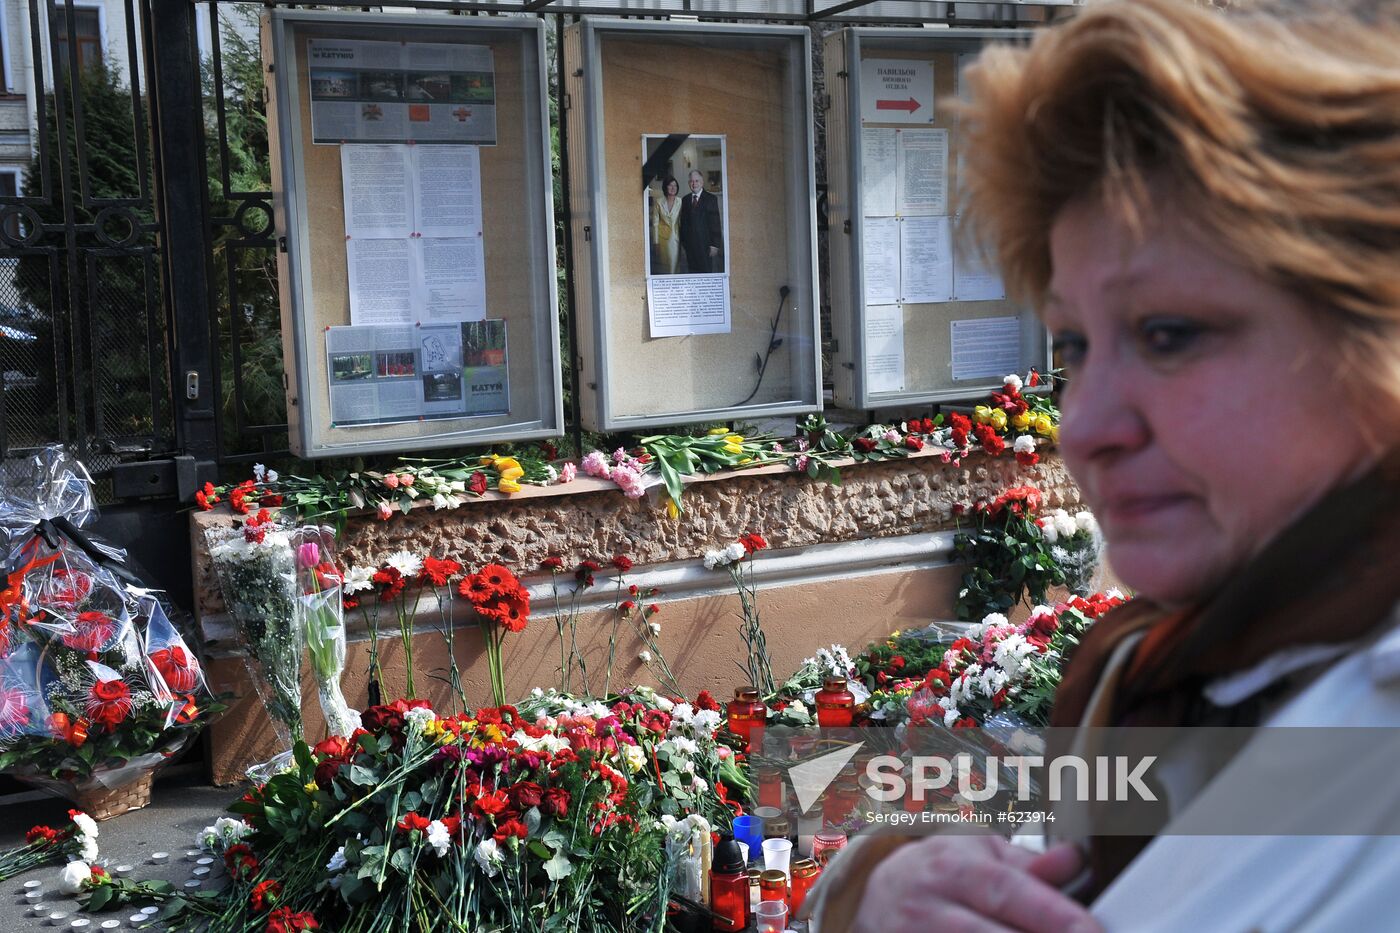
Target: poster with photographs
[686,207]
[364,91]
[388,374]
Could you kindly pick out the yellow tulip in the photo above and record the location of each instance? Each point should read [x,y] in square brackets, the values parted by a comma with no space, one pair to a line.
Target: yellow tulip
[1021,421]
[734,439]
[485,461]
[746,460]
[508,485]
[513,473]
[734,449]
[673,508]
[716,432]
[981,414]
[503,464]
[998,420]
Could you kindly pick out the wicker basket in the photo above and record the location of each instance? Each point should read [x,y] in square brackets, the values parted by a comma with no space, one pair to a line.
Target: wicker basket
[104,804]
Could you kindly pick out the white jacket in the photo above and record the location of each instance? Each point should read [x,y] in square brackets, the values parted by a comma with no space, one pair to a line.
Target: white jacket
[1271,884]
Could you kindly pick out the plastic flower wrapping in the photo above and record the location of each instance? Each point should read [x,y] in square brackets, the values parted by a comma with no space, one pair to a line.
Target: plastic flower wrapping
[257,575]
[97,687]
[321,619]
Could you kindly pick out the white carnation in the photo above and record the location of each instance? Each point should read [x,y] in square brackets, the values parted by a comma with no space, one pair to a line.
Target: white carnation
[489,856]
[337,862]
[734,552]
[418,719]
[951,716]
[1086,522]
[1012,380]
[1047,531]
[1025,444]
[644,656]
[439,838]
[86,824]
[1066,526]
[73,876]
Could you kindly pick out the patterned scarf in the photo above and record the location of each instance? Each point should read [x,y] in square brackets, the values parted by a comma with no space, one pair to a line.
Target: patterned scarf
[1329,578]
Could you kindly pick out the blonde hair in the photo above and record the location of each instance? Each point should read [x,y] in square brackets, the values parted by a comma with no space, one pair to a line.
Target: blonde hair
[1275,126]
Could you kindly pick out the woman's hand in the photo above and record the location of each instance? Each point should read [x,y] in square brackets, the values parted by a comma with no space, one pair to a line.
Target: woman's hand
[977,884]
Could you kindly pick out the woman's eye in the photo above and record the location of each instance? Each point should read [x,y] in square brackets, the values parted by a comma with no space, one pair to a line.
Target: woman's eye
[1169,337]
[1069,349]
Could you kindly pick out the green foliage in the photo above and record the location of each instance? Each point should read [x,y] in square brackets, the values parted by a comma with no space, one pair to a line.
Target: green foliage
[1009,558]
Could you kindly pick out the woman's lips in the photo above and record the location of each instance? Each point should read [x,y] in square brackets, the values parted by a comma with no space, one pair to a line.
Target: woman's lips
[1132,507]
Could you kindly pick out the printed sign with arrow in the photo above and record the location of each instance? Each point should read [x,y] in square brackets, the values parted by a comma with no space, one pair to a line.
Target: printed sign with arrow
[896,91]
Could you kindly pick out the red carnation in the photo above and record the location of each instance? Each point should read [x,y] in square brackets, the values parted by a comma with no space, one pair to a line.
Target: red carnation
[412,821]
[962,426]
[511,828]
[552,563]
[242,865]
[42,834]
[622,562]
[706,700]
[283,920]
[265,894]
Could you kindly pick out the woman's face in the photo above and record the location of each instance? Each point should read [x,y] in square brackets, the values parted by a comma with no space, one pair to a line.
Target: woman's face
[673,188]
[1202,412]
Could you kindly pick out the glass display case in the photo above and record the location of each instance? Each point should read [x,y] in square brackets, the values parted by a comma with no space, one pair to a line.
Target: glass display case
[413,193]
[692,205]
[917,317]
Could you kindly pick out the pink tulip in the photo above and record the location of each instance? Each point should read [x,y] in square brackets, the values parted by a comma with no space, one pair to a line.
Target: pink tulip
[309,554]
[405,479]
[385,510]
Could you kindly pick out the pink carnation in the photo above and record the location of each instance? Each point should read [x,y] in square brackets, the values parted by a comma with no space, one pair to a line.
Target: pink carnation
[596,464]
[567,473]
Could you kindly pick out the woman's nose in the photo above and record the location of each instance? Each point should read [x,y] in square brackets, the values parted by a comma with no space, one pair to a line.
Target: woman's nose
[1101,416]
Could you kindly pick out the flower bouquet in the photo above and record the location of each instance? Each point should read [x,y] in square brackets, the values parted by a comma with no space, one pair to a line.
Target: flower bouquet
[1075,545]
[497,819]
[1008,554]
[97,688]
[258,578]
[44,845]
[996,668]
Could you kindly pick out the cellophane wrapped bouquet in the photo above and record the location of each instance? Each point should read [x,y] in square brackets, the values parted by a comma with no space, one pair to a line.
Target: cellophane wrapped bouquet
[97,687]
[321,619]
[257,575]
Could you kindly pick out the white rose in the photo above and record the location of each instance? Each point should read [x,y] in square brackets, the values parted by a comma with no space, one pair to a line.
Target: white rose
[73,876]
[1086,522]
[1065,525]
[337,861]
[665,705]
[635,757]
[1048,532]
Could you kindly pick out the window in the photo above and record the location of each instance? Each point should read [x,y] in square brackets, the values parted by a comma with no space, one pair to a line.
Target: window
[87,25]
[10,188]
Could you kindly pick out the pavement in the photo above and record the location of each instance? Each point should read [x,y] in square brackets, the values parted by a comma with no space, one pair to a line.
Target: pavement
[181,805]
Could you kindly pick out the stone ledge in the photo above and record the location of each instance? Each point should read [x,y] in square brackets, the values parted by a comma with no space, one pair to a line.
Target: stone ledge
[592,517]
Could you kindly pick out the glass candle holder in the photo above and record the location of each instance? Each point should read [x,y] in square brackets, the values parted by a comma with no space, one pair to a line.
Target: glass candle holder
[772,886]
[771,917]
[745,713]
[804,873]
[827,844]
[835,704]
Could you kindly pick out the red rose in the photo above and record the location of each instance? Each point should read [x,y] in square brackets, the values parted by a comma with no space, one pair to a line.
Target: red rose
[897,663]
[108,702]
[913,443]
[477,483]
[527,794]
[556,802]
[863,444]
[177,667]
[265,894]
[91,630]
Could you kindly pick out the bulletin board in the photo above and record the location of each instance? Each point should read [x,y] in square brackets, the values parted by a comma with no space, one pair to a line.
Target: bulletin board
[909,329]
[734,102]
[515,227]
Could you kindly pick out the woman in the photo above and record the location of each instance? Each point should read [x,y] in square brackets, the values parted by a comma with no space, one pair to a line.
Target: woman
[665,226]
[1205,206]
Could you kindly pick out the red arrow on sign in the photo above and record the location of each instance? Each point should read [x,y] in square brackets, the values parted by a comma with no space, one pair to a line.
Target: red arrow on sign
[910,105]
